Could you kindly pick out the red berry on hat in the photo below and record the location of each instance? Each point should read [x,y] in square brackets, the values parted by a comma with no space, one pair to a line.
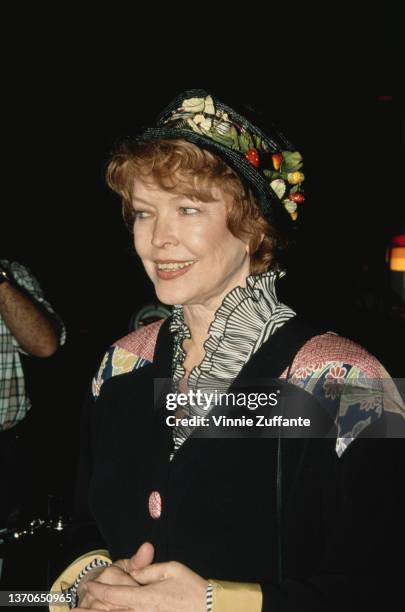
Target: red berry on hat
[253,157]
[297,197]
[277,158]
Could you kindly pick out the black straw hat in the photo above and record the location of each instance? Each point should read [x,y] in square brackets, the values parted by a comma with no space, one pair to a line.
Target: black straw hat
[269,164]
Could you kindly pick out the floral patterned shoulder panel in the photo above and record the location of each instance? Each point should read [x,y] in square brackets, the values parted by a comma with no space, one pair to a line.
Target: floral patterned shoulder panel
[127,354]
[348,381]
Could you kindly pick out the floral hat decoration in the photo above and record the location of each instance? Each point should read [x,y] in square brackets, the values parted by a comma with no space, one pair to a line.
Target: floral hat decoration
[270,164]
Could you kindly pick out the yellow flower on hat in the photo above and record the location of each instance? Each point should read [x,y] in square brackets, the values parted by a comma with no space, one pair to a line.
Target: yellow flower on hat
[200,124]
[295,177]
[194,126]
[204,124]
[209,106]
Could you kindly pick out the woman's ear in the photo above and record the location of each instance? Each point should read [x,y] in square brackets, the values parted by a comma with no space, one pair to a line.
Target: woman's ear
[248,248]
[259,242]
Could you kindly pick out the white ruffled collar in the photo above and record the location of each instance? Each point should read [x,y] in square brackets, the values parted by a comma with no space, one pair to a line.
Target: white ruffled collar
[243,322]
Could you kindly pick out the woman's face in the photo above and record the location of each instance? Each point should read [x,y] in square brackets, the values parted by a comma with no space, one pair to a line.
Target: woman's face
[187,250]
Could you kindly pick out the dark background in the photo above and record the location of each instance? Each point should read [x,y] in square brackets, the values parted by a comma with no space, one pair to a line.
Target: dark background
[75,80]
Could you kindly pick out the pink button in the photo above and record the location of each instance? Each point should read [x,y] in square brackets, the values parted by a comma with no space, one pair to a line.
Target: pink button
[155,505]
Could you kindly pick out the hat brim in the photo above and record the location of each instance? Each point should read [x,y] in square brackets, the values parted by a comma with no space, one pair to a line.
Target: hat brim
[271,206]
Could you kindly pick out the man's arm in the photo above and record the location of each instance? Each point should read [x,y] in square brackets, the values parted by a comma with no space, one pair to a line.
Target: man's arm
[36,330]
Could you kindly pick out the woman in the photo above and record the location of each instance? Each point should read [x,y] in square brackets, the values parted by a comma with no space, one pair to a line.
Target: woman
[197,513]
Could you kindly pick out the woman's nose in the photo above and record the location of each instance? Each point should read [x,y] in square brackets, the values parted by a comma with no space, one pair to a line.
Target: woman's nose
[164,232]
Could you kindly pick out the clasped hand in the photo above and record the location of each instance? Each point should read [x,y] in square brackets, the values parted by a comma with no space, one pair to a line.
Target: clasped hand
[143,586]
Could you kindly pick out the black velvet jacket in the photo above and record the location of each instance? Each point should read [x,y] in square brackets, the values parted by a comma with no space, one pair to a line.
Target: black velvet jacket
[317,532]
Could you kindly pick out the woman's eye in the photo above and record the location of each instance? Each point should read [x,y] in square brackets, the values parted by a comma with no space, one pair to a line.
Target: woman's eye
[140,214]
[189,211]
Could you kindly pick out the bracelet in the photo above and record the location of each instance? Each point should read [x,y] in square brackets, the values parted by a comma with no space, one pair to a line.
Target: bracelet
[73,589]
[210,588]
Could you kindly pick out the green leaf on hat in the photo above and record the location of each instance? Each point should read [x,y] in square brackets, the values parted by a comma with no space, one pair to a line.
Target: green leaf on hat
[233,134]
[292,161]
[257,140]
[227,141]
[292,168]
[230,139]
[273,174]
[245,142]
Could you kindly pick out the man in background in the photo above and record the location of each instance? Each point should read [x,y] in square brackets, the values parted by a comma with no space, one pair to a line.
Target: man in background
[28,326]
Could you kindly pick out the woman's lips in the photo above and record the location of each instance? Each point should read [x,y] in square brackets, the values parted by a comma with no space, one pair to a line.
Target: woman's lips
[169,274]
